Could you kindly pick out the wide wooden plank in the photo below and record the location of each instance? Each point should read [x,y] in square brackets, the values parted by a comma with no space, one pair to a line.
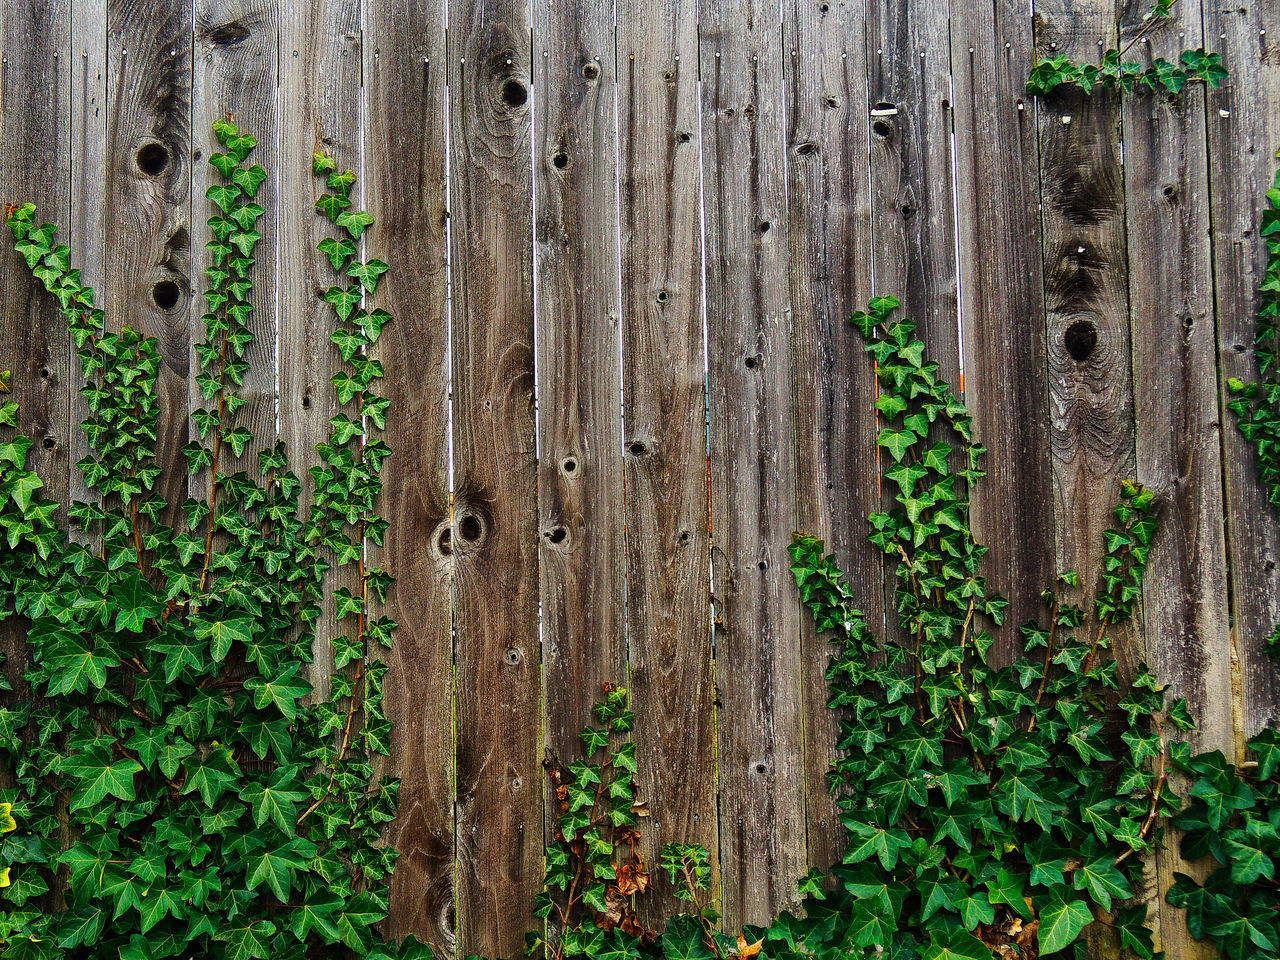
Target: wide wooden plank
[1244,127]
[758,667]
[834,389]
[1086,298]
[582,561]
[663,383]
[1002,303]
[35,167]
[495,507]
[149,156]
[404,144]
[234,71]
[1177,422]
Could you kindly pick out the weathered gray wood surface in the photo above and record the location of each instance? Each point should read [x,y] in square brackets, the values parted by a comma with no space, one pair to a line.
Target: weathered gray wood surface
[624,244]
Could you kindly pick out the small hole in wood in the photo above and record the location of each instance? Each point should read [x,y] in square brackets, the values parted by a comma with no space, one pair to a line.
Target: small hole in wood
[682,137]
[44,373]
[685,536]
[557,534]
[882,128]
[825,7]
[668,76]
[514,93]
[512,656]
[636,448]
[946,104]
[662,296]
[807,148]
[763,226]
[165,294]
[306,403]
[762,565]
[569,465]
[1170,191]
[48,443]
[590,70]
[445,542]
[830,102]
[229,34]
[152,159]
[560,160]
[750,363]
[1080,339]
[760,768]
[469,527]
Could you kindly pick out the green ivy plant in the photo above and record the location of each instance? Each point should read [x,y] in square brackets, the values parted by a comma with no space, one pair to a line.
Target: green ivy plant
[179,789]
[989,808]
[1116,73]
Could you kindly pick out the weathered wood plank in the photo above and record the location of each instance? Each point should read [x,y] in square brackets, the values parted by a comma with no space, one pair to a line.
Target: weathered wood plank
[495,509]
[998,228]
[1177,421]
[35,167]
[582,560]
[1244,127]
[663,382]
[834,389]
[1086,298]
[758,667]
[150,283]
[234,71]
[87,227]
[404,144]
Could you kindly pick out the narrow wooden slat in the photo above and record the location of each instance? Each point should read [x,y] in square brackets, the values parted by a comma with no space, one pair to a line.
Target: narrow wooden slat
[912,208]
[150,283]
[834,389]
[1086,298]
[1244,128]
[665,441]
[758,666]
[579,388]
[87,228]
[35,157]
[1178,424]
[234,72]
[998,227]
[495,509]
[404,149]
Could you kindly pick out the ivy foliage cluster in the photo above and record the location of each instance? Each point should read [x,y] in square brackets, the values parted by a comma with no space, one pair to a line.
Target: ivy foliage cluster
[179,788]
[1116,73]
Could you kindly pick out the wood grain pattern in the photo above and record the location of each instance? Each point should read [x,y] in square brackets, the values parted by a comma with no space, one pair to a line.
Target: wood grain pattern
[495,533]
[758,664]
[150,285]
[998,228]
[832,404]
[234,72]
[581,554]
[1178,425]
[1086,300]
[404,151]
[666,510]
[1244,132]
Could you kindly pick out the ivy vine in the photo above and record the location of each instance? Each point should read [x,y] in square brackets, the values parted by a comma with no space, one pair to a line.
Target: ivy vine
[179,789]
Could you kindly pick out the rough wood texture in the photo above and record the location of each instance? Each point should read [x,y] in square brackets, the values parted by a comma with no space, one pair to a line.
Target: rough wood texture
[829,236]
[1178,425]
[998,228]
[404,138]
[1086,298]
[35,53]
[495,507]
[150,284]
[758,675]
[1244,129]
[582,558]
[666,511]
[234,73]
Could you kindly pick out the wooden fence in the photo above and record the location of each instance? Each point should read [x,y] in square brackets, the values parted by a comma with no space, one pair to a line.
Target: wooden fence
[625,238]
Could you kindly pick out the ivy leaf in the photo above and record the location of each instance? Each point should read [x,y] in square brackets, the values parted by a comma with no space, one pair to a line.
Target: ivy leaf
[957,945]
[1103,881]
[1061,920]
[135,603]
[246,939]
[355,222]
[275,866]
[275,801]
[284,690]
[213,775]
[99,779]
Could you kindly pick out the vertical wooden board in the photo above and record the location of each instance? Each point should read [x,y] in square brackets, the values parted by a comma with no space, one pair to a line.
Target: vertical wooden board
[579,390]
[1002,303]
[495,508]
[758,666]
[1244,131]
[912,206]
[1177,421]
[404,148]
[1086,298]
[834,389]
[35,155]
[150,283]
[236,43]
[87,227]
[665,441]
